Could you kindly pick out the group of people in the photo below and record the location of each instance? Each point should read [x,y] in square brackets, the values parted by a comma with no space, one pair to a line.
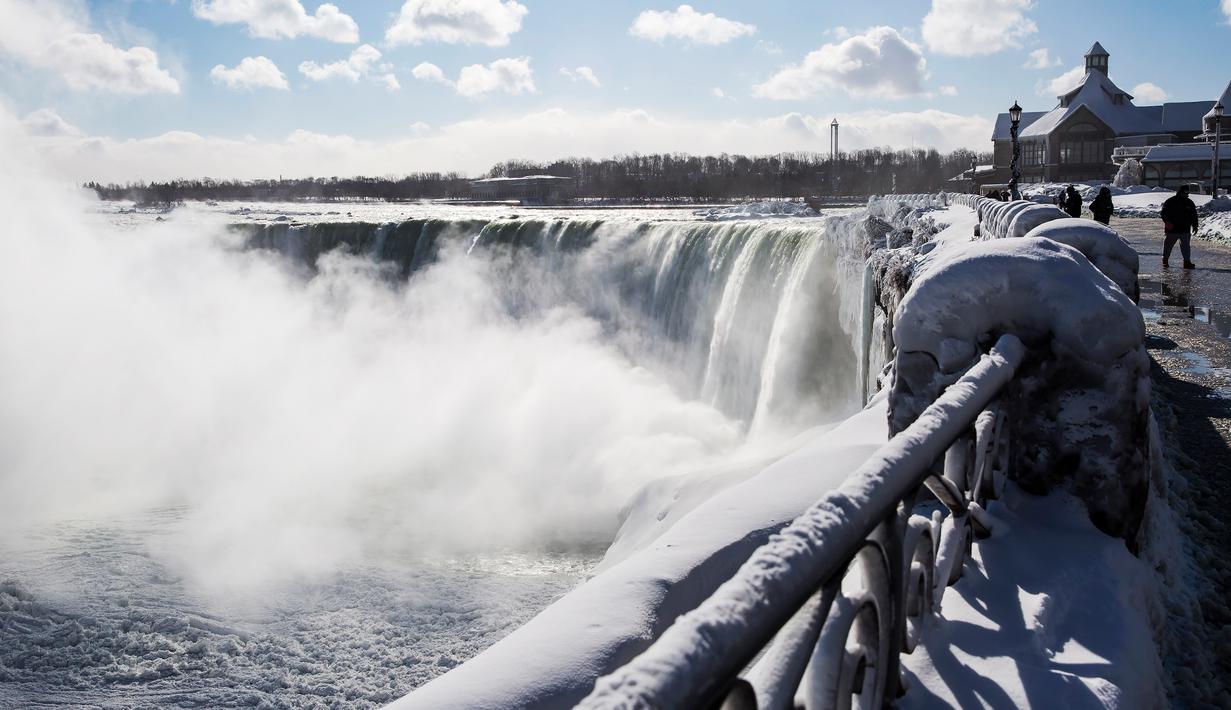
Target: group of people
[1102,208]
[1179,215]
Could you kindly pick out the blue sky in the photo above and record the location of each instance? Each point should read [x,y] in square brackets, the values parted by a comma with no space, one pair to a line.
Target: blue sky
[712,76]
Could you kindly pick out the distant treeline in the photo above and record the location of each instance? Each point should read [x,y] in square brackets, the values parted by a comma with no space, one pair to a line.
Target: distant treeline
[411,187]
[625,177]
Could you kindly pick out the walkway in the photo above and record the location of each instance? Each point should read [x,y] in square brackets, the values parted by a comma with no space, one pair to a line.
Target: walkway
[1188,324]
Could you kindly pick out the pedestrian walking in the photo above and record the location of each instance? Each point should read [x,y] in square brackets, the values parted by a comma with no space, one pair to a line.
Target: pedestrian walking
[1102,206]
[1072,202]
[1179,224]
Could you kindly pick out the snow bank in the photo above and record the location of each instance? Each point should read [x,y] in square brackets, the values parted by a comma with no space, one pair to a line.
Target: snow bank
[1103,246]
[1031,217]
[1217,226]
[757,210]
[553,661]
[1080,406]
[1046,191]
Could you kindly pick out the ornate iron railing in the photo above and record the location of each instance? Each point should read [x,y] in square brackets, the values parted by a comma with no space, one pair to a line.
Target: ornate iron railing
[820,613]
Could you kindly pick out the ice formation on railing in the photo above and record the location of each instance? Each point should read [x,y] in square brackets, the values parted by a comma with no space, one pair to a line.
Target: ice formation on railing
[1082,403]
[836,596]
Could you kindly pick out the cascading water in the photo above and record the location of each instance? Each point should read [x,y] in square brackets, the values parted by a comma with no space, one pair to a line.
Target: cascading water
[325,461]
[753,318]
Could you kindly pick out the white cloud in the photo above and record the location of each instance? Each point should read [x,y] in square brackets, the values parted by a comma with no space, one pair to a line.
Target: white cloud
[390,81]
[475,145]
[1149,93]
[965,28]
[358,65]
[1061,84]
[54,35]
[46,123]
[87,61]
[718,93]
[585,74]
[770,48]
[512,76]
[1226,10]
[948,90]
[1041,59]
[280,19]
[880,62]
[426,71]
[489,22]
[251,73]
[687,24]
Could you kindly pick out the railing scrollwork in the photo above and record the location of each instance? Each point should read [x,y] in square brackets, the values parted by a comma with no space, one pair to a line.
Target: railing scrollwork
[818,616]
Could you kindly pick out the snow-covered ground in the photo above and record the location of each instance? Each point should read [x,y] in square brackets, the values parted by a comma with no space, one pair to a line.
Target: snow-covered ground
[1049,613]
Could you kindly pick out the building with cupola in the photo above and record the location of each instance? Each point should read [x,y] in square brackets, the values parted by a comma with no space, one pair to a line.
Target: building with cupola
[1095,126]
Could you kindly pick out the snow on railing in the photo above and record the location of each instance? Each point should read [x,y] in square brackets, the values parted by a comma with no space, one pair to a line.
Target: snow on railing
[826,606]
[890,207]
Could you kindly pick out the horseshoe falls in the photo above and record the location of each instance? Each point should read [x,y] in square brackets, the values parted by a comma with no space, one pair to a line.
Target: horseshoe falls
[294,458]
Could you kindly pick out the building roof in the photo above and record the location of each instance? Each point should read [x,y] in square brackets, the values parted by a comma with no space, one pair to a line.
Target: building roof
[1186,152]
[1097,93]
[1001,131]
[516,179]
[1225,100]
[1097,49]
[1184,115]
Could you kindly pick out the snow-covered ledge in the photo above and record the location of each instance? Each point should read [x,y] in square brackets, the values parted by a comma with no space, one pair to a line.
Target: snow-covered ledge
[1081,406]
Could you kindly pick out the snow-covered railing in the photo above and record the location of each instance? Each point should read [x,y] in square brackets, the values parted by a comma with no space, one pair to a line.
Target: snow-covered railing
[824,608]
[889,207]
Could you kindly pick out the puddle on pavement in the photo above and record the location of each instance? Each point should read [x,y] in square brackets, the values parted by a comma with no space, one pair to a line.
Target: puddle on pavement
[1155,294]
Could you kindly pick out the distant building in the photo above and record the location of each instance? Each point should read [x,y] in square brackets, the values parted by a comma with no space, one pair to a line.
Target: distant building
[1094,127]
[1175,165]
[528,189]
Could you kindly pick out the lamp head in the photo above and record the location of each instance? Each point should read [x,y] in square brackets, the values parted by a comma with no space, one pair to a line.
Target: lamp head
[1015,112]
[1218,109]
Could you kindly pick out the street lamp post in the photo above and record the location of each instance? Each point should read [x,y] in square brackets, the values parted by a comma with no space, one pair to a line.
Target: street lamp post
[1015,117]
[974,187]
[1216,165]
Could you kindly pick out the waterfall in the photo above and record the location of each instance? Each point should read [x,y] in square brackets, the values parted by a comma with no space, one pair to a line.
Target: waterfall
[762,320]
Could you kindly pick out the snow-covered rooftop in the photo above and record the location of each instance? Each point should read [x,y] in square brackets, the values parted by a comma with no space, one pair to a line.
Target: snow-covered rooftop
[1001,131]
[1224,99]
[1185,152]
[1097,93]
[523,177]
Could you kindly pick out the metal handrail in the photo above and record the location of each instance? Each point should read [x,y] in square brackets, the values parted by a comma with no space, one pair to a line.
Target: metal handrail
[832,599]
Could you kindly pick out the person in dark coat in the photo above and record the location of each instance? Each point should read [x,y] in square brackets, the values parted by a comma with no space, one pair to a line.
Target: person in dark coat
[1072,202]
[1102,206]
[1179,224]
[994,195]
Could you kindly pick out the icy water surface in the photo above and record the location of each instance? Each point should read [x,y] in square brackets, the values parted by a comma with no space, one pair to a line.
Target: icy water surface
[95,615]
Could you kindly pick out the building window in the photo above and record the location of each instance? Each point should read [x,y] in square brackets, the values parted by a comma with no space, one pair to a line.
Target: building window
[1083,144]
[1032,152]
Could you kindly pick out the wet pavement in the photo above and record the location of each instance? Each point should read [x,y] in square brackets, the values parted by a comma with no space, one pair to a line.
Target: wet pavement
[1188,334]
